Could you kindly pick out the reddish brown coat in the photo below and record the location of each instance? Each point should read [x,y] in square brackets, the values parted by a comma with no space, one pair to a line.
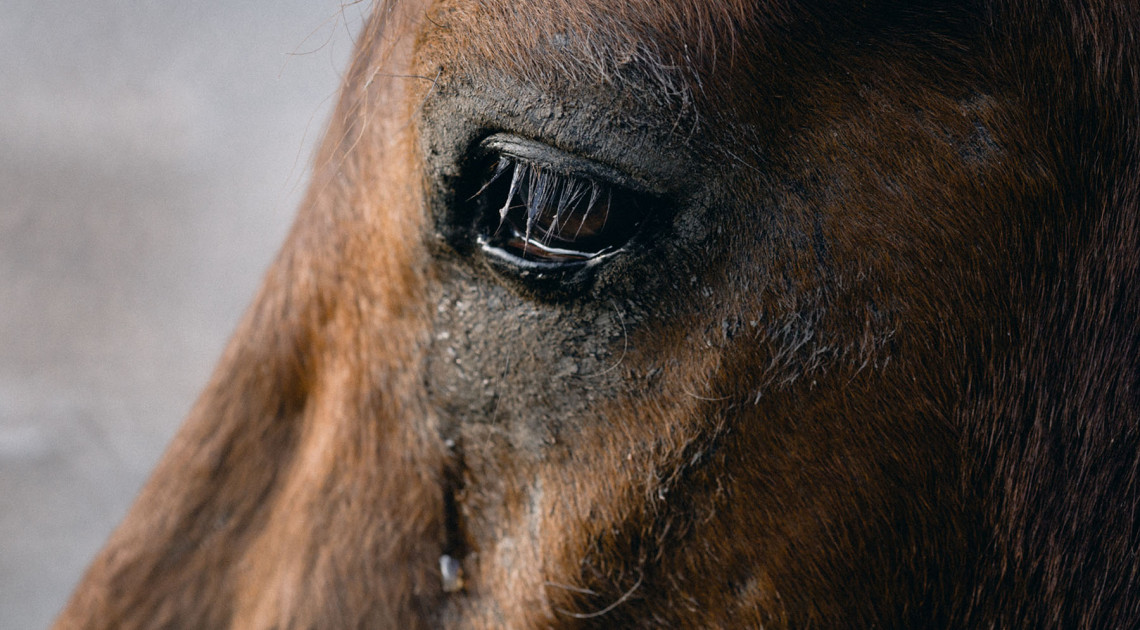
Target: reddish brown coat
[872,364]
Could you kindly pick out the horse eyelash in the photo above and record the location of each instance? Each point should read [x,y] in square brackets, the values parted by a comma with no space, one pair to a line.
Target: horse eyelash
[539,188]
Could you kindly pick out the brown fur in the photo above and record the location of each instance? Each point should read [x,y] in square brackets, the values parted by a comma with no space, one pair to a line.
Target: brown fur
[878,369]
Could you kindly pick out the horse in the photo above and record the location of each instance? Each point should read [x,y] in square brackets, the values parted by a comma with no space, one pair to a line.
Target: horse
[701,313]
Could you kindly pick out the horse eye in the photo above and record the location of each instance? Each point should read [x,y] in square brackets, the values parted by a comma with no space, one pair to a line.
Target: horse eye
[536,215]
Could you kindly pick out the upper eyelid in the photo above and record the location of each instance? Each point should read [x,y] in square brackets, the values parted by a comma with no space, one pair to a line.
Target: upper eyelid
[569,188]
[543,156]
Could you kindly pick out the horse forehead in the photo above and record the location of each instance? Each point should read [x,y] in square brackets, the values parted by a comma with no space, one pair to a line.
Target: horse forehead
[598,37]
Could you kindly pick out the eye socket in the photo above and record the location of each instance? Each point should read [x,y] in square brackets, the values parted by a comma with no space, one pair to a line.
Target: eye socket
[534,214]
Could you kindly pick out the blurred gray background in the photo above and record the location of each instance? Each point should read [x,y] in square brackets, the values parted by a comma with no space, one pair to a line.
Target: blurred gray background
[151,158]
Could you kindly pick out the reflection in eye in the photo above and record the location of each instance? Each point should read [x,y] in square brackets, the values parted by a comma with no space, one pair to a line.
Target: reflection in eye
[539,214]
